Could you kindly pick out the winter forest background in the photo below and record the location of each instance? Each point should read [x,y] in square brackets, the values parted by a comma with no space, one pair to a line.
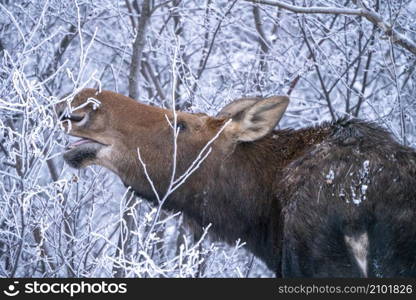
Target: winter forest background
[333,58]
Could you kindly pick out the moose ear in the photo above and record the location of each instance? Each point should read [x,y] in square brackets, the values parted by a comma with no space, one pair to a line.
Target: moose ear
[259,119]
[237,106]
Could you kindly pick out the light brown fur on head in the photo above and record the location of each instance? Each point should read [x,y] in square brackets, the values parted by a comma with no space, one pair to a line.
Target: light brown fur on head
[119,125]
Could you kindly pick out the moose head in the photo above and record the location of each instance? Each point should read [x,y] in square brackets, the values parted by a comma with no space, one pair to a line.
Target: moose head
[112,128]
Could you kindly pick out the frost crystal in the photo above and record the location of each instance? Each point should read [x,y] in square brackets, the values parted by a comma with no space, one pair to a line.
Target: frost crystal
[360,186]
[330,176]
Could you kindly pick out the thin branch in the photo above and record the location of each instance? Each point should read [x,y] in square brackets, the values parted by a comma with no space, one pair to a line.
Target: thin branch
[373,17]
[203,62]
[295,81]
[138,46]
[321,80]
[365,78]
[264,48]
[205,50]
[130,10]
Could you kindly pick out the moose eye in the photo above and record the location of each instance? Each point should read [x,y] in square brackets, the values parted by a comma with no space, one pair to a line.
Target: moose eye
[181,125]
[79,120]
[71,117]
[75,118]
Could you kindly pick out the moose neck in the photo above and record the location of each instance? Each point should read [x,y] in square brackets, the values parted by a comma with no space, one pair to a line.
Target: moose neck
[240,199]
[237,194]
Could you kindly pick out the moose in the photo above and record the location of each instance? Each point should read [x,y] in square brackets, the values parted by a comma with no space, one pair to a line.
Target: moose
[334,200]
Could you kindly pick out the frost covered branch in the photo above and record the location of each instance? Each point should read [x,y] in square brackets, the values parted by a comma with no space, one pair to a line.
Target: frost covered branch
[365,12]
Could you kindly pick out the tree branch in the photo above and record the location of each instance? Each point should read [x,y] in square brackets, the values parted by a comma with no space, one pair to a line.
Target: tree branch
[373,17]
[138,47]
[321,80]
[206,54]
[264,48]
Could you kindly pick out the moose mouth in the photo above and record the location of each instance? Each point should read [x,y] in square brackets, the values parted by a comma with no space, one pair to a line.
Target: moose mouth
[84,141]
[82,152]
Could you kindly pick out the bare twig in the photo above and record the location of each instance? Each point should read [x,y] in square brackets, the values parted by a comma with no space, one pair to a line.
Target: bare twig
[318,71]
[370,15]
[138,46]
